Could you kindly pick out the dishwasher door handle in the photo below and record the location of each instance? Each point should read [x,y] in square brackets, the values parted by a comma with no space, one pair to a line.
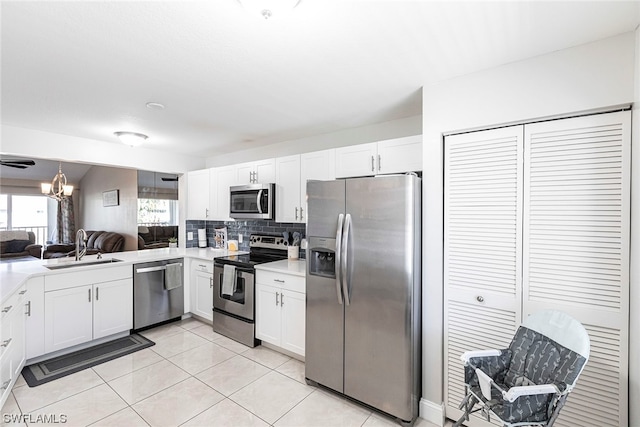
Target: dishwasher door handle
[150,269]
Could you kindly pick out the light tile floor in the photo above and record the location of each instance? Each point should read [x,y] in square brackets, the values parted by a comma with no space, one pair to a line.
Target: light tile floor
[191,377]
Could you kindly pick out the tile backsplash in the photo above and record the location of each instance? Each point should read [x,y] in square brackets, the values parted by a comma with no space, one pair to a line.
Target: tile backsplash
[246,228]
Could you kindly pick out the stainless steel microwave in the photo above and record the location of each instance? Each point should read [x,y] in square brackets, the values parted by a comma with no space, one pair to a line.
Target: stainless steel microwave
[252,201]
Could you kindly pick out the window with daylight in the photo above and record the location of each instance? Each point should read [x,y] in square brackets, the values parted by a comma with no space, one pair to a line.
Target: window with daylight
[28,213]
[157,212]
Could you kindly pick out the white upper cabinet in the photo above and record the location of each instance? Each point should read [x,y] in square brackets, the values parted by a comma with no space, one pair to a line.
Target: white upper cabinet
[356,160]
[399,155]
[383,157]
[225,177]
[288,207]
[198,186]
[259,172]
[292,173]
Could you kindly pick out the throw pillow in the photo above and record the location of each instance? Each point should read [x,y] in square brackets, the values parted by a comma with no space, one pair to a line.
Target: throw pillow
[15,246]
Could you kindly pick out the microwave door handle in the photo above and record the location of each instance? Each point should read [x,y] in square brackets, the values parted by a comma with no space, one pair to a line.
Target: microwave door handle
[338,257]
[345,248]
[259,199]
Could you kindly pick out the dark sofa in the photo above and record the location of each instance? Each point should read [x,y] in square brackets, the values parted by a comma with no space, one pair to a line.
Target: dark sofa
[18,248]
[156,236]
[98,241]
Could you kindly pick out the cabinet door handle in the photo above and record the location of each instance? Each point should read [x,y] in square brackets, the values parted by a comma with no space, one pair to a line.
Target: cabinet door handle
[28,305]
[480,298]
[278,280]
[277,302]
[23,292]
[301,217]
[281,299]
[5,343]
[211,282]
[5,384]
[379,163]
[97,294]
[296,213]
[373,166]
[89,295]
[6,309]
[206,212]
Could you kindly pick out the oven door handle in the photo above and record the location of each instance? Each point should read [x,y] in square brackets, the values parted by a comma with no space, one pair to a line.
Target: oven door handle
[259,199]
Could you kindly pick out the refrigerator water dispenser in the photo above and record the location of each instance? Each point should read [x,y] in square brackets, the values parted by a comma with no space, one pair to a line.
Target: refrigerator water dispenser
[322,262]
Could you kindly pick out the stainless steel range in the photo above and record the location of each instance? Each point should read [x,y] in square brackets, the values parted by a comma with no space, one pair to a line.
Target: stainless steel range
[234,287]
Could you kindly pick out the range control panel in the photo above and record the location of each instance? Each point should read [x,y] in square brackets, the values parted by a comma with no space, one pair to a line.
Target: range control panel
[265,241]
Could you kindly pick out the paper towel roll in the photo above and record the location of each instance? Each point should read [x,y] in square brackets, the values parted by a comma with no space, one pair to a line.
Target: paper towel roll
[202,237]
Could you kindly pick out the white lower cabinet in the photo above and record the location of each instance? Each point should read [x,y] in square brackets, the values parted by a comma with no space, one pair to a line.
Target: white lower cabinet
[292,305]
[35,317]
[280,310]
[112,308]
[268,314]
[12,350]
[78,310]
[202,289]
[68,318]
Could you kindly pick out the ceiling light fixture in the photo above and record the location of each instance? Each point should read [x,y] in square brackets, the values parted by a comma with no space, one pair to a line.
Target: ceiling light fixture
[269,8]
[155,106]
[58,189]
[132,139]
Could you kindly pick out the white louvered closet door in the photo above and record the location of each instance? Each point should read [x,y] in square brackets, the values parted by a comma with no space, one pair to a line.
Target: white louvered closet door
[482,251]
[576,249]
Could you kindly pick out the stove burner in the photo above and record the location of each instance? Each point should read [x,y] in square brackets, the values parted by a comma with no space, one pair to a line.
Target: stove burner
[263,249]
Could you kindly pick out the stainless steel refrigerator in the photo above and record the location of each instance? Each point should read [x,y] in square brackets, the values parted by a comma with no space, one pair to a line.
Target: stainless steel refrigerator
[363,290]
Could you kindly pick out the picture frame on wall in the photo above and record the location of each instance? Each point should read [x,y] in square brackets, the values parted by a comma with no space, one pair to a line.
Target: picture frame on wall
[111,198]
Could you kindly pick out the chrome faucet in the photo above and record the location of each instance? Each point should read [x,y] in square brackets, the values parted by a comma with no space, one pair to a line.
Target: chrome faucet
[81,235]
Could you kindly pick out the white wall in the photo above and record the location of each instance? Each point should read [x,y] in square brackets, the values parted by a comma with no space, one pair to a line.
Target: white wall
[121,219]
[46,145]
[386,130]
[584,78]
[634,276]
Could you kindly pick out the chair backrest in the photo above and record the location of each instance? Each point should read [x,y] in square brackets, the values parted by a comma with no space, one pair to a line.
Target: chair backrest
[549,347]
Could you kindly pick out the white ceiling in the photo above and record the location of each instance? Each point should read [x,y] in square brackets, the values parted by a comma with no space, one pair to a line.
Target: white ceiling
[231,81]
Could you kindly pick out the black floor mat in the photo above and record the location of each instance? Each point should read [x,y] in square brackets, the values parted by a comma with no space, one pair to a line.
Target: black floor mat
[61,366]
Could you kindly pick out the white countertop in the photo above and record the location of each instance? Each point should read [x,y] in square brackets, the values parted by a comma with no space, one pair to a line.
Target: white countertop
[295,267]
[14,274]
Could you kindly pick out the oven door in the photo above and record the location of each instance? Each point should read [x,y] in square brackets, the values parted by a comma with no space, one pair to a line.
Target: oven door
[240,303]
[252,201]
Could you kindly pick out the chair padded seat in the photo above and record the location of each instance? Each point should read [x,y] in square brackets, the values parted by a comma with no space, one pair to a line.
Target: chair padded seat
[531,359]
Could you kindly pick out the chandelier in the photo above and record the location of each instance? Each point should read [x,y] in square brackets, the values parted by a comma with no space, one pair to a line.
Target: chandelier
[58,189]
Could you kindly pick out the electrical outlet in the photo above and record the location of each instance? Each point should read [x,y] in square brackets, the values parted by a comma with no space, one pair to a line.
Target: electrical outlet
[190,235]
[239,238]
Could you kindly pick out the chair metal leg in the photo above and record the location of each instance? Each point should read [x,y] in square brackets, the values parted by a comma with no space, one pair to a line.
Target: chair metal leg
[468,403]
[556,411]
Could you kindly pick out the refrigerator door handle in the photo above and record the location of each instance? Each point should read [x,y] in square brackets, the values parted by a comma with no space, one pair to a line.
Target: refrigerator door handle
[345,248]
[338,251]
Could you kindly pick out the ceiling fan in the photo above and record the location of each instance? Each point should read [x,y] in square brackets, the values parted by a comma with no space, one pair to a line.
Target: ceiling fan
[18,164]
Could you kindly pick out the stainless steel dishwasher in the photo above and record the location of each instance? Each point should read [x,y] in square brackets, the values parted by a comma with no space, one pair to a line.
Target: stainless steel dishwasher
[152,303]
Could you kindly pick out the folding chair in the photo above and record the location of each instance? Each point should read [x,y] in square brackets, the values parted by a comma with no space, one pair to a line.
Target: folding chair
[528,383]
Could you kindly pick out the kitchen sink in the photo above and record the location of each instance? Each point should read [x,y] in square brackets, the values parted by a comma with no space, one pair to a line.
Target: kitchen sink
[73,264]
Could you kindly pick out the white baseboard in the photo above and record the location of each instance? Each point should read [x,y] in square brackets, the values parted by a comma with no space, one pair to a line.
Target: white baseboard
[432,412]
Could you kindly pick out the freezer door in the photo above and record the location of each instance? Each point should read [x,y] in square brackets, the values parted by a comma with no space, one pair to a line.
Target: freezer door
[324,337]
[383,281]
[325,201]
